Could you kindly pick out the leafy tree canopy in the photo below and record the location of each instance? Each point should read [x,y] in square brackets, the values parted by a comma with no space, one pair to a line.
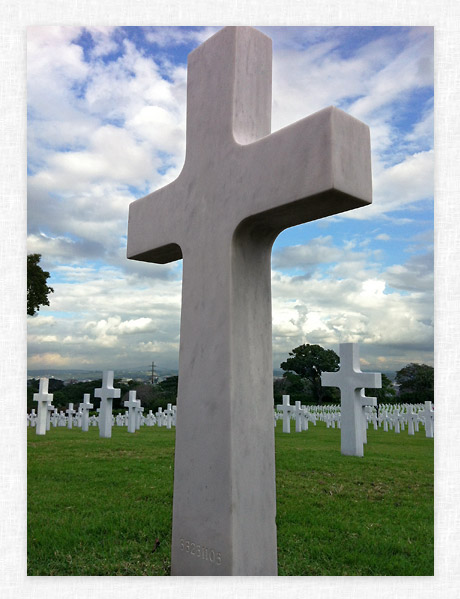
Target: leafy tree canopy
[387,393]
[37,289]
[309,362]
[416,383]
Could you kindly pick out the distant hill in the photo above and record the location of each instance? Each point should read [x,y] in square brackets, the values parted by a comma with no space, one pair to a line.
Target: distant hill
[143,373]
[137,372]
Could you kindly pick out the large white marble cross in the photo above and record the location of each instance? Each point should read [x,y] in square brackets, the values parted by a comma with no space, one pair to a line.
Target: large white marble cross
[106,393]
[43,398]
[350,380]
[239,188]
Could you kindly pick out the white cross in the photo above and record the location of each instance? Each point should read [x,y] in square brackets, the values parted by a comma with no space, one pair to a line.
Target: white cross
[298,415]
[350,380]
[168,413]
[138,412]
[106,393]
[402,420]
[151,418]
[386,420]
[159,416]
[412,419]
[428,414]
[43,398]
[62,419]
[85,407]
[50,408]
[54,417]
[396,420]
[286,409]
[305,419]
[70,412]
[131,404]
[239,188]
[367,403]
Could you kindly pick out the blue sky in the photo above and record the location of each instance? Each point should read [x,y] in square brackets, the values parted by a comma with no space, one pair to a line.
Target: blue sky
[106,125]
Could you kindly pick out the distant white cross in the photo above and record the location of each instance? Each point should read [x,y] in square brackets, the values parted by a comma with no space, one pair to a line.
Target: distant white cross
[367,403]
[159,416]
[305,418]
[169,414]
[412,419]
[397,421]
[298,415]
[386,419]
[49,410]
[428,414]
[350,380]
[138,411]
[286,409]
[70,412]
[106,393]
[131,404]
[150,420]
[85,407]
[43,398]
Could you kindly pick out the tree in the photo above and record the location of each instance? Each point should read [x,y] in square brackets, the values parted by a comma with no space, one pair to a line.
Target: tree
[309,362]
[291,384]
[37,289]
[386,394]
[416,383]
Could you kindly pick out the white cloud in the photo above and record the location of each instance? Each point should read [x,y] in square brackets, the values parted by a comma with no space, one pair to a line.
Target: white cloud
[178,36]
[400,187]
[103,40]
[416,275]
[51,360]
[104,132]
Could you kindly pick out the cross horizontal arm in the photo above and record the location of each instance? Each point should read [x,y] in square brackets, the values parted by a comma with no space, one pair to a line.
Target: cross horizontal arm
[324,157]
[153,235]
[358,380]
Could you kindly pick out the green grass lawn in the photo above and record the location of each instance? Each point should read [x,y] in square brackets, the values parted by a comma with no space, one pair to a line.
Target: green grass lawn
[103,507]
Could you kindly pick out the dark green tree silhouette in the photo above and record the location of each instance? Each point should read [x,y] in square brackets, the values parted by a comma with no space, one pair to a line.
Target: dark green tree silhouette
[416,383]
[37,289]
[309,362]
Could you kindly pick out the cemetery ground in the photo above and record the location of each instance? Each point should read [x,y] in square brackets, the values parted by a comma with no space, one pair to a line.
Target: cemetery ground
[103,507]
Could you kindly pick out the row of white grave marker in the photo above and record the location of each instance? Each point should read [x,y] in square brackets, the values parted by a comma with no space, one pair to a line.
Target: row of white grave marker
[390,417]
[105,419]
[166,418]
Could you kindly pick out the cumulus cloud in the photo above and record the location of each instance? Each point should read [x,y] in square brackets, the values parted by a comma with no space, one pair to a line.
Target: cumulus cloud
[178,36]
[107,113]
[347,298]
[399,188]
[415,275]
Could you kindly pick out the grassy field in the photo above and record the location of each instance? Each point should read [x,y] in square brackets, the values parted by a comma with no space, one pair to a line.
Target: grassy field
[102,507]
